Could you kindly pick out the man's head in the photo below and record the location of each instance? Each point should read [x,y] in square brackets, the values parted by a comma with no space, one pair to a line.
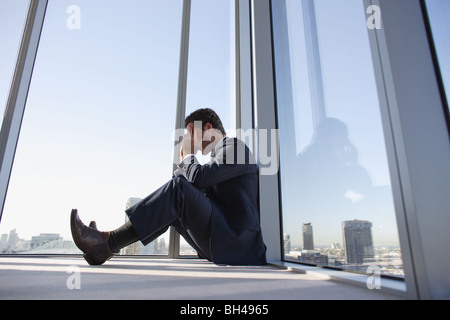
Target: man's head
[205,115]
[211,126]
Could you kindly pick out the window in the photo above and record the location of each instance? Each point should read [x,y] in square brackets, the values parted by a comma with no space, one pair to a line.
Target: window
[98,126]
[336,199]
[438,11]
[211,78]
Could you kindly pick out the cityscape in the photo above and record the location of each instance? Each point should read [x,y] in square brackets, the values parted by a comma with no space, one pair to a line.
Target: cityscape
[357,253]
[53,243]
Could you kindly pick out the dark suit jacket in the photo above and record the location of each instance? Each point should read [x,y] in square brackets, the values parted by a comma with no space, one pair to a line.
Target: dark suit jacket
[230,180]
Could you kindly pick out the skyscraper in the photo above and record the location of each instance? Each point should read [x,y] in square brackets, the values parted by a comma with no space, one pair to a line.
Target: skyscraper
[42,239]
[133,248]
[287,243]
[357,241]
[308,241]
[131,202]
[13,239]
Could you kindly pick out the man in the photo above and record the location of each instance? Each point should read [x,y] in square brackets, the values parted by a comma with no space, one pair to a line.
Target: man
[213,206]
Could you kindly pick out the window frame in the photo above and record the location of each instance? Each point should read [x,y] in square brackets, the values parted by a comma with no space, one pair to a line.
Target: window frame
[419,197]
[408,129]
[16,105]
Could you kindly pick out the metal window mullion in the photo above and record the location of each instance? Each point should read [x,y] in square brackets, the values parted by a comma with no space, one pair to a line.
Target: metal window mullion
[383,83]
[417,144]
[15,108]
[244,104]
[174,237]
[237,33]
[265,119]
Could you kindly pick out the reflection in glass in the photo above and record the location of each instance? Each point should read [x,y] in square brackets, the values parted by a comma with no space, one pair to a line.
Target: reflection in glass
[98,126]
[438,13]
[337,206]
[12,20]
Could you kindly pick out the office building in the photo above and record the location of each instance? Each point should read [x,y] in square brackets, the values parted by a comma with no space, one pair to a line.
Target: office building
[42,239]
[286,243]
[308,239]
[358,245]
[134,248]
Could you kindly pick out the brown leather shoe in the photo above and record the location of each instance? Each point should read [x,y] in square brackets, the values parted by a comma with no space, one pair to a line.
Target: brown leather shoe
[91,241]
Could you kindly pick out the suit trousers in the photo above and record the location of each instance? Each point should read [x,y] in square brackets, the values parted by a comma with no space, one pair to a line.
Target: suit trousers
[179,204]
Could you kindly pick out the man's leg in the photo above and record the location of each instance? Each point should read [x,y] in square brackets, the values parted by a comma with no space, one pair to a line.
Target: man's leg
[196,231]
[122,237]
[177,203]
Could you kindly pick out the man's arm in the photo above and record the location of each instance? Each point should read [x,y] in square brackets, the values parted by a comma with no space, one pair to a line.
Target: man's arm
[221,168]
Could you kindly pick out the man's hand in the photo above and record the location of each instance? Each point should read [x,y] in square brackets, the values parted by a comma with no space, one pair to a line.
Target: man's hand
[192,140]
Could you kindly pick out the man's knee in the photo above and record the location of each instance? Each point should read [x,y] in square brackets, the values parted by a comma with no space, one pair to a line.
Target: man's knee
[179,180]
[182,184]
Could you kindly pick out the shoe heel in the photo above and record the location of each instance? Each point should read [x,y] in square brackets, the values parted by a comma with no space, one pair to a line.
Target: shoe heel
[98,255]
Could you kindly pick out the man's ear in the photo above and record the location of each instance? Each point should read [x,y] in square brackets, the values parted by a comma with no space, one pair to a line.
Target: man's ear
[207,126]
[208,134]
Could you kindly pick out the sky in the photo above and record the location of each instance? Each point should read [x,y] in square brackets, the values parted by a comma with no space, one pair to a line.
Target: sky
[99,121]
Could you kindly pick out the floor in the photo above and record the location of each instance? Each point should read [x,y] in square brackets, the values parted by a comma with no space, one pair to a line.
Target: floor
[47,278]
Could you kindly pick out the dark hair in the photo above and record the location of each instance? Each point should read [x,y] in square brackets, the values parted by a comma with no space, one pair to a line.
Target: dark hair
[205,115]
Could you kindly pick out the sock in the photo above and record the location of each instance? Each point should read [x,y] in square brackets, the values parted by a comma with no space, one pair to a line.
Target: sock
[122,237]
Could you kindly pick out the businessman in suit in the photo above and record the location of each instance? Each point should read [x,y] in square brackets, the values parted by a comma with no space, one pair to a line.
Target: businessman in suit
[213,206]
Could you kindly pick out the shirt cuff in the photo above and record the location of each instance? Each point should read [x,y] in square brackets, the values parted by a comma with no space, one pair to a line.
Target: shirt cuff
[187,159]
[188,155]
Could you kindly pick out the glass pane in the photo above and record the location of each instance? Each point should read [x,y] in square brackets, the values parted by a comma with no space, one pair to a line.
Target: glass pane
[98,126]
[438,12]
[337,205]
[211,67]
[12,21]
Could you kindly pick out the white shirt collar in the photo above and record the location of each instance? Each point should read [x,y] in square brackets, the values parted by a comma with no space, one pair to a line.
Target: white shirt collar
[218,145]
